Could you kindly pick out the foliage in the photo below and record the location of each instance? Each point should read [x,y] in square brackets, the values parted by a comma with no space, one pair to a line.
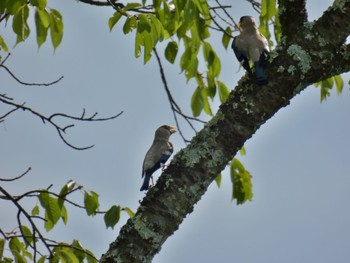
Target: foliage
[24,241]
[184,26]
[46,19]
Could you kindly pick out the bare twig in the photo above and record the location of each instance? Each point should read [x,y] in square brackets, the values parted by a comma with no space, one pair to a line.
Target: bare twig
[26,83]
[173,105]
[30,84]
[16,178]
[61,130]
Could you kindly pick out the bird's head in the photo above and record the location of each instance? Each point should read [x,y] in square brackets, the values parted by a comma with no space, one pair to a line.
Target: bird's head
[246,22]
[165,131]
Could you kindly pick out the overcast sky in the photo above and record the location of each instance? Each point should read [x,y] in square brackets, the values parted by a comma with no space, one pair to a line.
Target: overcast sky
[299,159]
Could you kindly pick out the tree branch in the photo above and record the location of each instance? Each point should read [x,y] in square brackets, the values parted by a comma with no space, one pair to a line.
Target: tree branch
[61,130]
[173,105]
[26,83]
[333,26]
[295,9]
[292,67]
[16,178]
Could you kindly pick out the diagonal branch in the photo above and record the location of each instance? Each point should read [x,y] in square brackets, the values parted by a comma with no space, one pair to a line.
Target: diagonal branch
[333,26]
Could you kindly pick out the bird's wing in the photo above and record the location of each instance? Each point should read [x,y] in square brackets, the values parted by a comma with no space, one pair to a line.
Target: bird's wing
[240,53]
[158,154]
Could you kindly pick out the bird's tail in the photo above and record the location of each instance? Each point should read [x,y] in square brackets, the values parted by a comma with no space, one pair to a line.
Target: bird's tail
[261,78]
[145,184]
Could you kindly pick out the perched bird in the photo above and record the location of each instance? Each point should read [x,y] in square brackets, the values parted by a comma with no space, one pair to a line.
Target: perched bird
[250,44]
[160,151]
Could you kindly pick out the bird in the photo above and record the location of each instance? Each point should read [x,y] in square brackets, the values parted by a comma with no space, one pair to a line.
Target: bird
[157,155]
[250,44]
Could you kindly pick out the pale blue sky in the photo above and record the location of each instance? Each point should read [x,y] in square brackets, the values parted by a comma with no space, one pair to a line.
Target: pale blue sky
[299,159]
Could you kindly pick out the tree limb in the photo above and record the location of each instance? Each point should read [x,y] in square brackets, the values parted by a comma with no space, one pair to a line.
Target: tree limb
[61,130]
[292,67]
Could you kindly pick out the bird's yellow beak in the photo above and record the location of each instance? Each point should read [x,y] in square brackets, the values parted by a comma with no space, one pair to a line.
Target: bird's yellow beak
[172,129]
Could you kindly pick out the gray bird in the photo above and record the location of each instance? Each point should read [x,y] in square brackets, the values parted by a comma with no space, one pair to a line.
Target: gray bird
[156,157]
[250,44]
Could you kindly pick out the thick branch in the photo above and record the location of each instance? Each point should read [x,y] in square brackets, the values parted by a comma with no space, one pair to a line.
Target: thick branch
[294,66]
[292,16]
[333,26]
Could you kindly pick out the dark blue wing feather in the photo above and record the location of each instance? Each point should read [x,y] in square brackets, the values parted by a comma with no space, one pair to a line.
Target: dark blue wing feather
[148,173]
[241,56]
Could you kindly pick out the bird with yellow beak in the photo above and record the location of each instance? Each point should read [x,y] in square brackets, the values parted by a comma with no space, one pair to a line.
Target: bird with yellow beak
[157,155]
[251,45]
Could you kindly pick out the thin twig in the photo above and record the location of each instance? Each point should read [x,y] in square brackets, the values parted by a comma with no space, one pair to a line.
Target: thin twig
[16,178]
[174,107]
[61,130]
[27,83]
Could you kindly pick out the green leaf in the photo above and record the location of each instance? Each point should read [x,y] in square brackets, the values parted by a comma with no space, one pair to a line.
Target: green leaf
[27,234]
[203,7]
[241,180]
[14,6]
[157,29]
[66,189]
[206,104]
[213,61]
[138,44]
[35,210]
[52,210]
[78,250]
[42,259]
[223,91]
[171,51]
[90,256]
[129,211]
[39,3]
[112,216]
[3,44]
[20,25]
[242,151]
[91,202]
[226,37]
[326,86]
[144,24]
[130,24]
[218,180]
[18,250]
[56,27]
[197,102]
[42,23]
[64,214]
[131,6]
[148,46]
[2,247]
[66,255]
[113,20]
[339,83]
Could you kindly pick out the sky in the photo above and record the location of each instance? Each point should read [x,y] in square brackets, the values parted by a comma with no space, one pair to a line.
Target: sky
[299,159]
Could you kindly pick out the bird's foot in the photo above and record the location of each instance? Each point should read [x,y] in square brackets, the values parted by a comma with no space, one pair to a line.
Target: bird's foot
[164,167]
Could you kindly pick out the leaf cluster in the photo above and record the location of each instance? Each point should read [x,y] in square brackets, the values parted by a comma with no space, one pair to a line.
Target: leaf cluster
[25,242]
[46,20]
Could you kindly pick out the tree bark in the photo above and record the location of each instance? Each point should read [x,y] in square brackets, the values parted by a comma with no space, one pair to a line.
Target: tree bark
[308,53]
